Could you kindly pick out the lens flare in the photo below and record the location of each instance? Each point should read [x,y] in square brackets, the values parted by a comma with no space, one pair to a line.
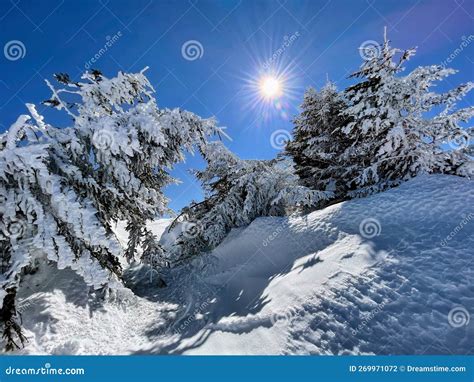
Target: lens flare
[270,94]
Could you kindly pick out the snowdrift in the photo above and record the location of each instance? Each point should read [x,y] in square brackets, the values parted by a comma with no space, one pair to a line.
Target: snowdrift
[387,274]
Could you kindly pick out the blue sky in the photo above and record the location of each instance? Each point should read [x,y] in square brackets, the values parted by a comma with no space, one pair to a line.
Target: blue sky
[236,41]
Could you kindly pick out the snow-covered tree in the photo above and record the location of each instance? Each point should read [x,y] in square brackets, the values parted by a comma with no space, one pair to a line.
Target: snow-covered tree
[44,218]
[392,135]
[318,141]
[61,188]
[237,192]
[121,147]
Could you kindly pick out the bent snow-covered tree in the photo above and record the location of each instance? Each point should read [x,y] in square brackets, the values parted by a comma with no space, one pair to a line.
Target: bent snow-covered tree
[237,192]
[61,188]
[392,136]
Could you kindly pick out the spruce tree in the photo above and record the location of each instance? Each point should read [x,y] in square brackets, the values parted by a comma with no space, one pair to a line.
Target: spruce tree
[318,141]
[237,192]
[392,137]
[61,189]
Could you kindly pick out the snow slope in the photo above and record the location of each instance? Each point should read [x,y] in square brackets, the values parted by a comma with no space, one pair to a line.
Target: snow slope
[388,274]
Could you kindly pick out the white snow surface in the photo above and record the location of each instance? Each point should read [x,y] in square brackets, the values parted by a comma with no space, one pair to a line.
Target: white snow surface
[324,283]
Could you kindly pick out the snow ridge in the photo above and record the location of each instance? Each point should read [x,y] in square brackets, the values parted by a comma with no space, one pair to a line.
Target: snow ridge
[317,284]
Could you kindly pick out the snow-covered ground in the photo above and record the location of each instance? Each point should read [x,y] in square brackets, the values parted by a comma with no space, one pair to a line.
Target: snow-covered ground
[388,274]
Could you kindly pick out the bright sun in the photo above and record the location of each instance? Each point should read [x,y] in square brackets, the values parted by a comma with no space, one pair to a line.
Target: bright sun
[270,87]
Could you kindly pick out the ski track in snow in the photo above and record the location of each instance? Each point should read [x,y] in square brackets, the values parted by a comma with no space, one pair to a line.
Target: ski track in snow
[296,285]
